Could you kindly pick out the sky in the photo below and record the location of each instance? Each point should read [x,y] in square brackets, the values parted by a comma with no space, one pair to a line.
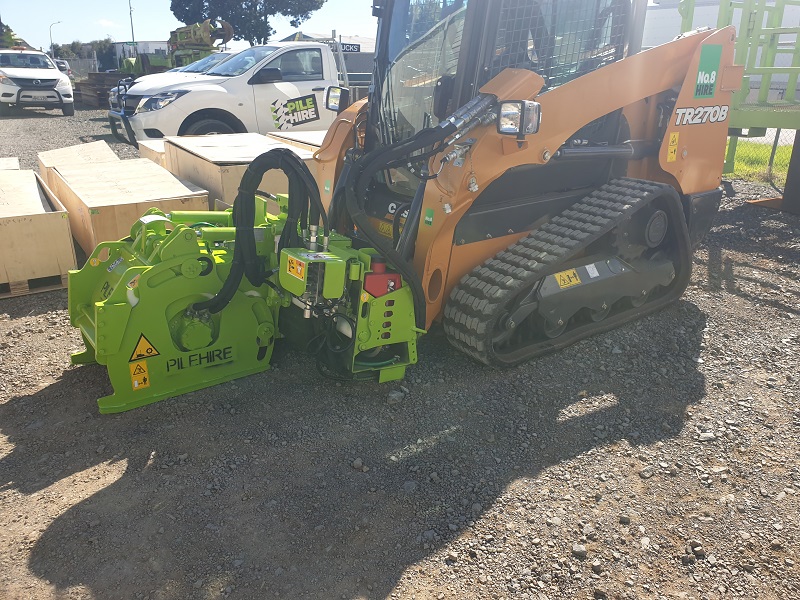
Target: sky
[88,20]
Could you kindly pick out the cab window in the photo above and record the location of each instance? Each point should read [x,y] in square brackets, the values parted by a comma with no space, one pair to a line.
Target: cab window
[299,65]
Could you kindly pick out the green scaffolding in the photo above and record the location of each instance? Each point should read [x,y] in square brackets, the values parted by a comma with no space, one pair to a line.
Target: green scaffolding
[762,40]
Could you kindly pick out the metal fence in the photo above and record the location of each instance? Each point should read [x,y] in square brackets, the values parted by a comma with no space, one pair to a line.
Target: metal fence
[763,158]
[766,112]
[81,67]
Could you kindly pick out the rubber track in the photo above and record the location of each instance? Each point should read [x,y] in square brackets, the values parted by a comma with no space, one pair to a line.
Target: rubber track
[481,297]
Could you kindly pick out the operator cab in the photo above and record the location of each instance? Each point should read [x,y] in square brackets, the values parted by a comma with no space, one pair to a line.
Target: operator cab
[433,56]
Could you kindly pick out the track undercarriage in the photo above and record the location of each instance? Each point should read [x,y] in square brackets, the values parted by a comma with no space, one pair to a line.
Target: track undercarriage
[621,252]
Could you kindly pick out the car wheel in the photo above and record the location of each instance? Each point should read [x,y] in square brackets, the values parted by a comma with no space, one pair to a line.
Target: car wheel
[5,109]
[68,110]
[208,127]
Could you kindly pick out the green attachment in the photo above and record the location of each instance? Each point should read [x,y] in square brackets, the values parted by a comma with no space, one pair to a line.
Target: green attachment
[301,268]
[386,336]
[133,302]
[364,329]
[216,218]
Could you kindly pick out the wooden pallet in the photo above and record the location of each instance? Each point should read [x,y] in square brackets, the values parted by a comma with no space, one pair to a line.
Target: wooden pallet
[33,286]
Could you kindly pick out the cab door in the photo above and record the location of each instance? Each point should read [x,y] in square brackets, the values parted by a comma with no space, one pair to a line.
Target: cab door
[294,98]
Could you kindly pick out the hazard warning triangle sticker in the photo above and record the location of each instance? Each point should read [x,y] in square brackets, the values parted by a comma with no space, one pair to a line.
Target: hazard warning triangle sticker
[144,349]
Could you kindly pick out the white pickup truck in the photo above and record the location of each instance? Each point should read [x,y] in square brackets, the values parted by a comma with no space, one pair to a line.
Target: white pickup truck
[280,86]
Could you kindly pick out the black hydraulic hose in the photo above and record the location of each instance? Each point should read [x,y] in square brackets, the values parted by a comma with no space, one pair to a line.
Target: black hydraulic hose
[364,170]
[405,245]
[245,258]
[337,209]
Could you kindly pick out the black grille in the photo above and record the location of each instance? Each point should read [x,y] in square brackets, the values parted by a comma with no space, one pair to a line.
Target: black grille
[559,39]
[31,83]
[130,102]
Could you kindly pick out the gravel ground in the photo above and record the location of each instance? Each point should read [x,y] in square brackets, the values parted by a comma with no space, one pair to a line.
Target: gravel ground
[659,460]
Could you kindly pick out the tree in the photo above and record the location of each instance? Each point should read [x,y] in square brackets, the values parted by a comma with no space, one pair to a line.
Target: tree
[106,55]
[6,35]
[60,51]
[249,18]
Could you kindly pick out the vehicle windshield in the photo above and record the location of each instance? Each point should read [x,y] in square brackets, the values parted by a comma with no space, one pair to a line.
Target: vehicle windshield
[423,46]
[24,60]
[240,63]
[559,39]
[204,64]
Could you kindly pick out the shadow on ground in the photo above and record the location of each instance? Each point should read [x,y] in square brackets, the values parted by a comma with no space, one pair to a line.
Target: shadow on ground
[251,484]
[754,232]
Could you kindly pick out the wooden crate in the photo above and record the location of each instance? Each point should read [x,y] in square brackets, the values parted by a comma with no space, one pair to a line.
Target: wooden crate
[307,140]
[153,150]
[82,154]
[36,249]
[217,162]
[10,162]
[105,200]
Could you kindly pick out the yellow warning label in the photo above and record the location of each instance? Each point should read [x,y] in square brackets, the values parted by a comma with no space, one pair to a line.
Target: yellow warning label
[364,297]
[385,228]
[94,261]
[144,349]
[296,267]
[567,278]
[672,154]
[672,151]
[140,379]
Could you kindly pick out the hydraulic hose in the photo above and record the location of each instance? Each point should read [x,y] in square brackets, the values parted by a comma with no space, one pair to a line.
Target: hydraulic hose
[356,191]
[365,169]
[245,258]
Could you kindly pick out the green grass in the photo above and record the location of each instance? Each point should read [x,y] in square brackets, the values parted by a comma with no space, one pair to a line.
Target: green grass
[752,162]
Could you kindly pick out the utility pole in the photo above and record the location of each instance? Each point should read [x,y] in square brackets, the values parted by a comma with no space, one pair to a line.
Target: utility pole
[133,39]
[52,54]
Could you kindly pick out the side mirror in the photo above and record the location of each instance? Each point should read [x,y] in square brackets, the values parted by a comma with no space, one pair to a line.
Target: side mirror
[441,96]
[337,98]
[519,118]
[266,75]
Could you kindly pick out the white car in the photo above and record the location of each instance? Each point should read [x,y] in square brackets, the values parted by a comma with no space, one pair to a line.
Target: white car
[189,71]
[30,78]
[280,86]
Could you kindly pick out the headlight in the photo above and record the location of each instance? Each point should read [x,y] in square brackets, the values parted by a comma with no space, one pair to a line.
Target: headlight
[159,101]
[519,117]
[6,80]
[63,83]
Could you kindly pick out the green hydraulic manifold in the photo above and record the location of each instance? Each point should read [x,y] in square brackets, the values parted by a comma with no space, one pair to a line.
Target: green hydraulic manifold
[135,304]
[369,330]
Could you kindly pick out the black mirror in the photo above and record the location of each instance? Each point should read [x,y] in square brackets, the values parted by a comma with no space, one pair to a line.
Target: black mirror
[441,96]
[266,75]
[337,98]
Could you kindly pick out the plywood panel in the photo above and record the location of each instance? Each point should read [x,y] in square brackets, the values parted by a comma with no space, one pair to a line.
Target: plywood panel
[153,150]
[105,200]
[217,162]
[20,194]
[9,162]
[35,241]
[308,140]
[81,154]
